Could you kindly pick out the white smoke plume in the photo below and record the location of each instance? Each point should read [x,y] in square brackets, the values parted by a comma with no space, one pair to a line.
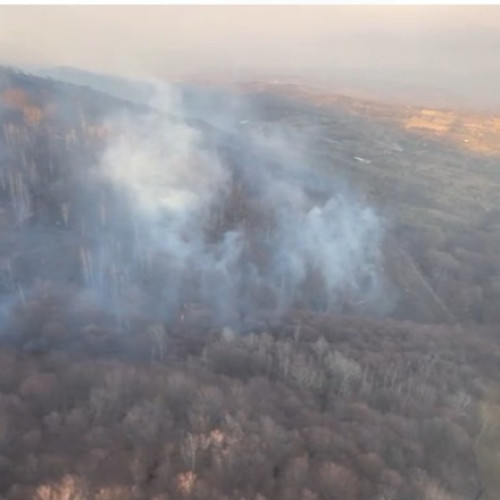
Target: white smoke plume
[227,214]
[201,200]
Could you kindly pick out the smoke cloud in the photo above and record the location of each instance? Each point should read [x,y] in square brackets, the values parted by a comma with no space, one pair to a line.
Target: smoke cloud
[191,204]
[231,216]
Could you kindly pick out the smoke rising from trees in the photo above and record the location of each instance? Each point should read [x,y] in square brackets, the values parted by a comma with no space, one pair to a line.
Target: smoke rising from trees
[188,204]
[236,219]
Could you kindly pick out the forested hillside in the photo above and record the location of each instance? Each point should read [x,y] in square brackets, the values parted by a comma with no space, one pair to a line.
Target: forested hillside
[149,353]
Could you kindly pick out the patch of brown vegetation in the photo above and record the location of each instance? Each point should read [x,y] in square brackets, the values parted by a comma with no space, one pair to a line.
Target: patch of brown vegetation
[18,99]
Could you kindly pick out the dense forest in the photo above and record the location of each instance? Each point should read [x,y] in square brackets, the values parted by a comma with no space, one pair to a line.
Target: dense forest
[104,397]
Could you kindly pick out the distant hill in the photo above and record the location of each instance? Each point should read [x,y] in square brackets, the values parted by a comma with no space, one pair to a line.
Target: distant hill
[134,91]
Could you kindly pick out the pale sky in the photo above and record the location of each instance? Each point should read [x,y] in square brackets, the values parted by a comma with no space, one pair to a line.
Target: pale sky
[455,49]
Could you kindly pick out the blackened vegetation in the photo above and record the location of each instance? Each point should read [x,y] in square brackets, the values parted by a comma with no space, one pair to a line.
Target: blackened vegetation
[97,404]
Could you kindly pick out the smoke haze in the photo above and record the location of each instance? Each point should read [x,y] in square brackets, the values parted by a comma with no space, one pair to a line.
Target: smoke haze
[184,202]
[236,219]
[443,54]
[195,200]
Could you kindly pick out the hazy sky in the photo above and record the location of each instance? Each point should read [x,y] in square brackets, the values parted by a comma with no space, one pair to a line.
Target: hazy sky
[454,49]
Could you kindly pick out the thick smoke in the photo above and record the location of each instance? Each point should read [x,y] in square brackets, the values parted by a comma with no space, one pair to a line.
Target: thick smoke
[200,201]
[230,216]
